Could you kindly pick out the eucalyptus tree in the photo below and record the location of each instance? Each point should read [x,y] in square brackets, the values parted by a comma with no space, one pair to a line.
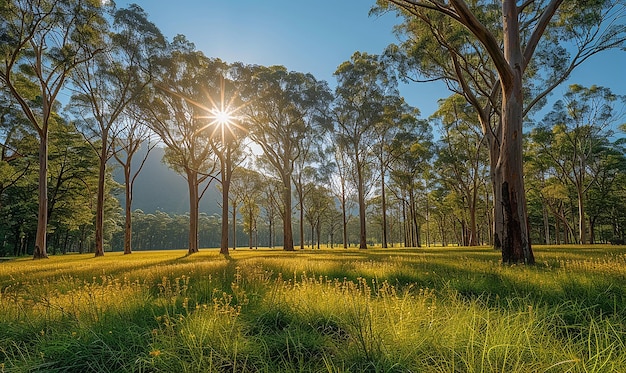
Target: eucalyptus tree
[303,180]
[605,192]
[270,200]
[318,202]
[251,184]
[42,43]
[226,138]
[574,135]
[130,138]
[363,87]
[337,172]
[462,156]
[282,108]
[177,113]
[412,151]
[73,184]
[107,84]
[397,117]
[505,58]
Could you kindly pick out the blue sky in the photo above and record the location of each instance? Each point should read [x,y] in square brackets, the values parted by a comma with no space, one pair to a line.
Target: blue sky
[315,36]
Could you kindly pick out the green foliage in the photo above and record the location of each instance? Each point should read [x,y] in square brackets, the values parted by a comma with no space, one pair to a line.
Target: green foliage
[435,310]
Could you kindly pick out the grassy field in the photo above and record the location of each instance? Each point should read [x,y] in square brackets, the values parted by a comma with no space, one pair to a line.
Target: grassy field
[392,310]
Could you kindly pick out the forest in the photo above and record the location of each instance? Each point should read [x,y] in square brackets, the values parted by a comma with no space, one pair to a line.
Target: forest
[88,88]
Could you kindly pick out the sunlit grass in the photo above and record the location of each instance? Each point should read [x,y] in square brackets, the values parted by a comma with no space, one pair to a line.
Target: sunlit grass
[332,310]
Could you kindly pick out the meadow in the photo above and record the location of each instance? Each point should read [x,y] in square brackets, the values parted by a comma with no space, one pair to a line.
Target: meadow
[378,310]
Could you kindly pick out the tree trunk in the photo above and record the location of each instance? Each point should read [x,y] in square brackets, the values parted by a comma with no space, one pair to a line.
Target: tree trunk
[287,229]
[192,183]
[473,232]
[515,236]
[251,230]
[383,204]
[40,251]
[128,225]
[498,219]
[344,217]
[318,230]
[361,193]
[301,198]
[100,199]
[271,232]
[582,229]
[225,213]
[546,223]
[234,227]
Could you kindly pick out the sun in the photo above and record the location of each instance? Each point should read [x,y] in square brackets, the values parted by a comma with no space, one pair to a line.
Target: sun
[222,117]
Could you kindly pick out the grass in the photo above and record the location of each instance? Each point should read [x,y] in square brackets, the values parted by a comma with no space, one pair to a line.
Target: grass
[392,310]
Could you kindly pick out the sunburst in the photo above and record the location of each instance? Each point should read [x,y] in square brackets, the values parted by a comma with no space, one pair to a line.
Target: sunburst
[223,115]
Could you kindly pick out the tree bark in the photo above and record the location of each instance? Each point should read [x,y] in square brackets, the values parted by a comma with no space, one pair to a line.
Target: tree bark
[344,216]
[383,204]
[128,223]
[234,226]
[515,236]
[40,251]
[361,193]
[100,199]
[287,229]
[225,213]
[192,183]
[582,229]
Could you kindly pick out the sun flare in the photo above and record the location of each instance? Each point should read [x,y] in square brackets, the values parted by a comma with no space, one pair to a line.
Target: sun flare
[222,117]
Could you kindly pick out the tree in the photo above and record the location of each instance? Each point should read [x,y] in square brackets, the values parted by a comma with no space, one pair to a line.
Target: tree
[283,107]
[487,60]
[106,84]
[72,184]
[337,172]
[461,157]
[226,141]
[251,184]
[318,203]
[363,86]
[574,138]
[303,181]
[411,152]
[42,42]
[132,137]
[397,117]
[177,115]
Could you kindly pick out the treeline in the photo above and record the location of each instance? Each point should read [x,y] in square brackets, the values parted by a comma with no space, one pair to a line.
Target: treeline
[297,163]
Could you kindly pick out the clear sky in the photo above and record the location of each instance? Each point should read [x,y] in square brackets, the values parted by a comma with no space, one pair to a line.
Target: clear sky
[316,36]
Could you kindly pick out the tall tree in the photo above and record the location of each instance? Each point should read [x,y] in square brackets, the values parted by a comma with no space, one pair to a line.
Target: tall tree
[133,136]
[411,152]
[108,83]
[319,201]
[42,42]
[574,137]
[462,158]
[283,107]
[251,184]
[177,113]
[226,140]
[397,117]
[485,51]
[363,85]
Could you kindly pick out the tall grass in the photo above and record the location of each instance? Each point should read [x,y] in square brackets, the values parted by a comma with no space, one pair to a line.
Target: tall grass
[400,310]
